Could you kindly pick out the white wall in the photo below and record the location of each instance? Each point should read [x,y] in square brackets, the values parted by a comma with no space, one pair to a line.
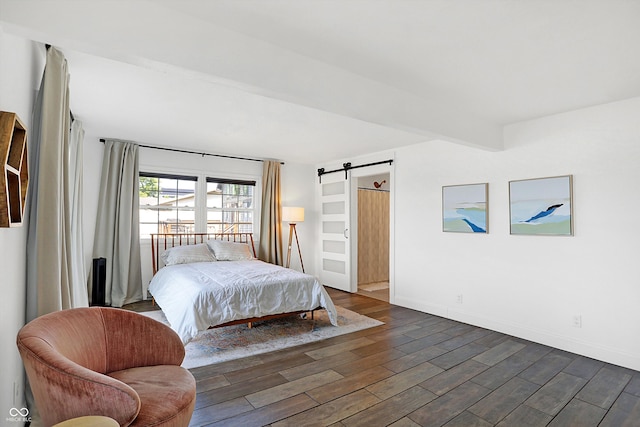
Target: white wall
[297,186]
[21,65]
[532,286]
[296,181]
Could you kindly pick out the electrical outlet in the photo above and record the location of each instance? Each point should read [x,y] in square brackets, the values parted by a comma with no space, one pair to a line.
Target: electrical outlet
[459,299]
[577,321]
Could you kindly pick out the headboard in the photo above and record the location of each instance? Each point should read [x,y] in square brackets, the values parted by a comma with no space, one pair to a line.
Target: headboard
[164,241]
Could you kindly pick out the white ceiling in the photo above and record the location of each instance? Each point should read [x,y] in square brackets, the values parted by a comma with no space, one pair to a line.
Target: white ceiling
[315,80]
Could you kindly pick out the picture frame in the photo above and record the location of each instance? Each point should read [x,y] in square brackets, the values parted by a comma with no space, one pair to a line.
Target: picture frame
[541,206]
[465,208]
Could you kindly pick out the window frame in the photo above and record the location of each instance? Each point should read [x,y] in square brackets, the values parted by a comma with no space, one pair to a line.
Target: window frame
[201,209]
[173,208]
[237,210]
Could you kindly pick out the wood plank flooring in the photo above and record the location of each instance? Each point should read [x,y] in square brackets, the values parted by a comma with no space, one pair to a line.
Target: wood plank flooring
[416,370]
[375,290]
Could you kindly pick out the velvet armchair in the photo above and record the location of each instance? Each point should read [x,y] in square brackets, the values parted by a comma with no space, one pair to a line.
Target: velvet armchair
[110,362]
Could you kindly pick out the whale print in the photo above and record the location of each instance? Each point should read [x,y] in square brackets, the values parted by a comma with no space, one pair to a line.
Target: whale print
[544,213]
[541,206]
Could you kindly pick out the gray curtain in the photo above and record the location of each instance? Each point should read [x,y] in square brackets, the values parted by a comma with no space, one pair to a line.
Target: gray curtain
[77,272]
[117,235]
[54,261]
[271,218]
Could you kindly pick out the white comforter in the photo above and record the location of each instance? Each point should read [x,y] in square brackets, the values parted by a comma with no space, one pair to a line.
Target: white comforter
[196,296]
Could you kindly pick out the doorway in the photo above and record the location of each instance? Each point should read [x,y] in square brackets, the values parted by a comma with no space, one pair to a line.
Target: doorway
[373,228]
[337,203]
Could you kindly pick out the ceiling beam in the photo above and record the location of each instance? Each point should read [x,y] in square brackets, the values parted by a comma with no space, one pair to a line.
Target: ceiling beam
[149,35]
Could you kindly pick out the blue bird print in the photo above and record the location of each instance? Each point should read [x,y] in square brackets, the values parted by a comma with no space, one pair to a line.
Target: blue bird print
[544,213]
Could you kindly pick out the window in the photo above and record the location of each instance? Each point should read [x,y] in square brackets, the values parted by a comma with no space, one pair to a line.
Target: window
[175,204]
[167,203]
[229,206]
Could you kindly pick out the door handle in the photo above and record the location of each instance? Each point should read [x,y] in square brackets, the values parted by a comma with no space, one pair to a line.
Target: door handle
[346,236]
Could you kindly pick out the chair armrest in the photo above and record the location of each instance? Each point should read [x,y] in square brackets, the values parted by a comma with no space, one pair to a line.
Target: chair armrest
[134,340]
[64,389]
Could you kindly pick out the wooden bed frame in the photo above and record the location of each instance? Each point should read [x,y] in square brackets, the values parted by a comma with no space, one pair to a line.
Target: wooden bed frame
[160,242]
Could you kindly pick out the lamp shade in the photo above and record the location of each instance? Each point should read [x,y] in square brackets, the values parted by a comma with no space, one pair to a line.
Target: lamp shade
[292,214]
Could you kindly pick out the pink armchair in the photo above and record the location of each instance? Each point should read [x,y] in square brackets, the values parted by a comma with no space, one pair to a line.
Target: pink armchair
[110,362]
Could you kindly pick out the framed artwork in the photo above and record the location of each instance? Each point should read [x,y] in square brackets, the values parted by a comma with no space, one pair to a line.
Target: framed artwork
[542,206]
[464,208]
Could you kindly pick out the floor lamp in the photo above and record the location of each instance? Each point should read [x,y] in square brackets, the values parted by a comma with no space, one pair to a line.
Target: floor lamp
[293,216]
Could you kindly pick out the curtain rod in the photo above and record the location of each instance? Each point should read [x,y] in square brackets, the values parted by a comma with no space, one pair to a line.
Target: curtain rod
[347,167]
[176,150]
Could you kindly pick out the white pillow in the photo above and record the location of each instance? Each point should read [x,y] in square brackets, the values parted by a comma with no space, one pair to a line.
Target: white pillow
[187,254]
[230,251]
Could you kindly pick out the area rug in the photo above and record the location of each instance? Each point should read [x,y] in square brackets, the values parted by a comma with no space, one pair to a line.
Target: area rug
[234,342]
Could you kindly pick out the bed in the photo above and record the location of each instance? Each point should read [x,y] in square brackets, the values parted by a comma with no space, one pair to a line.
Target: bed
[204,280]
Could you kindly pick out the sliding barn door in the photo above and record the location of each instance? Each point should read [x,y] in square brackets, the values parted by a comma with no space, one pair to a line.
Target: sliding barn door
[335,250]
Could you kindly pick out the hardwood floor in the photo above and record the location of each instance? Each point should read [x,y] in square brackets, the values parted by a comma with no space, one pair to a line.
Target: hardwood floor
[375,290]
[416,370]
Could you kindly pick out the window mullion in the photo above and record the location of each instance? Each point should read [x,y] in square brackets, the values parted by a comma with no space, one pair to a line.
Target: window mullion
[201,205]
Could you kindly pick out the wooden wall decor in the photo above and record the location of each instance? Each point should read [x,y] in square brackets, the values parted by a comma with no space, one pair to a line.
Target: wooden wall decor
[14,179]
